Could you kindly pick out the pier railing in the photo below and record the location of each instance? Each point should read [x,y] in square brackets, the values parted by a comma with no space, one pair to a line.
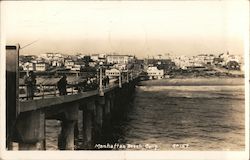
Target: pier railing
[43,91]
[49,90]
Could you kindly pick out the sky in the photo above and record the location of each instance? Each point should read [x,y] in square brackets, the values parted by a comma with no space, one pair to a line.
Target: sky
[141,28]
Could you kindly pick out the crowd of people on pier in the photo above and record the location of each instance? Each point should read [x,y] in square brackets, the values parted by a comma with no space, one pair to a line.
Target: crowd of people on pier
[91,84]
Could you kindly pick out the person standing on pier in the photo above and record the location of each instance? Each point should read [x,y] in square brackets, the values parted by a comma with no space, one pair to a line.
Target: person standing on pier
[107,80]
[30,81]
[62,85]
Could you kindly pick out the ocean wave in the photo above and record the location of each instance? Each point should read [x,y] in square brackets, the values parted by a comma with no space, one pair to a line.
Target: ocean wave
[191,88]
[235,92]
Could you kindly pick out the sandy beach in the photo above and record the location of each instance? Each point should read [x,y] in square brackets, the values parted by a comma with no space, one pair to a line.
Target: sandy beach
[194,81]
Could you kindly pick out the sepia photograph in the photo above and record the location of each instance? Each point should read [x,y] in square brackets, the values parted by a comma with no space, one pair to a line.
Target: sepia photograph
[125,79]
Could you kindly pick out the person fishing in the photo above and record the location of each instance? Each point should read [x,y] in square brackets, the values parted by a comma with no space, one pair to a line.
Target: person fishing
[62,85]
[107,80]
[30,82]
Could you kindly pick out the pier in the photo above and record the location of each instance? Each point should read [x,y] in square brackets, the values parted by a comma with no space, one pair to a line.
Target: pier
[26,123]
[95,109]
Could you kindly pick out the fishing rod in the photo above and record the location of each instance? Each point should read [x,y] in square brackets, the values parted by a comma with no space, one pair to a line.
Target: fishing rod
[29,44]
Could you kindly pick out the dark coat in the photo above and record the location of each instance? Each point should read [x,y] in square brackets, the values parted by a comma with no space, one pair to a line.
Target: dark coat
[61,85]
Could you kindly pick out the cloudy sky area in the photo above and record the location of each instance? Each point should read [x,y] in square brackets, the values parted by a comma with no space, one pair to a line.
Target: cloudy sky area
[141,28]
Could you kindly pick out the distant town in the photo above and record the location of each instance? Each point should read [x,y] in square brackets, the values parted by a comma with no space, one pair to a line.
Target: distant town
[157,67]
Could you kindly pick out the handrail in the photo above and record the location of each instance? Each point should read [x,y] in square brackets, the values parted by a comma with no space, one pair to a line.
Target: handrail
[50,90]
[30,105]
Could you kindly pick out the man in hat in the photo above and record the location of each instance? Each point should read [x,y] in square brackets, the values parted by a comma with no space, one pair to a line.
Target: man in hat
[62,85]
[30,82]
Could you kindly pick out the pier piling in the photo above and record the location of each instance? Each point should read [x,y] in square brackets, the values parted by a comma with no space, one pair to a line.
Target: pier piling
[99,111]
[88,116]
[66,137]
[30,129]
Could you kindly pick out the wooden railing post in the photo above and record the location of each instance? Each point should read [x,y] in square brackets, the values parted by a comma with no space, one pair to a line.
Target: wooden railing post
[120,80]
[43,90]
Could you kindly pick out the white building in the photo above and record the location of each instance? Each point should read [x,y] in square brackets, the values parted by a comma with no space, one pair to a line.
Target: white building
[95,57]
[182,61]
[51,56]
[98,57]
[120,66]
[230,57]
[155,73]
[41,66]
[56,63]
[121,59]
[194,61]
[203,59]
[112,72]
[92,64]
[28,66]
[68,63]
[233,58]
[76,67]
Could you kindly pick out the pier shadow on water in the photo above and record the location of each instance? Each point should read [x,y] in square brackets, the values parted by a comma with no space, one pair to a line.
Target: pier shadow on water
[112,131]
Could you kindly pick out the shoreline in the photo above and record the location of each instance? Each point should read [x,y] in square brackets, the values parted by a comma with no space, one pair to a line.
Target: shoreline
[194,82]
